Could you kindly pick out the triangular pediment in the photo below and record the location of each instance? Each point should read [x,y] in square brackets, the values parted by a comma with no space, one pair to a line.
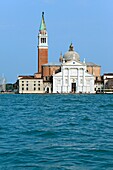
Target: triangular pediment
[73,62]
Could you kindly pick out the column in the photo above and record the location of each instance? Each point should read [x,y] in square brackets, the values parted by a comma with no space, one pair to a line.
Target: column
[68,80]
[54,85]
[84,84]
[63,80]
[92,85]
[78,78]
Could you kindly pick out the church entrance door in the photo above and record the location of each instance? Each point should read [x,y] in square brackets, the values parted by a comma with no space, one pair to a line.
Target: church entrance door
[47,90]
[73,87]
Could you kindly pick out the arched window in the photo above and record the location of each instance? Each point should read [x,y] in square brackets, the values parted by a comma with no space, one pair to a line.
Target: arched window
[43,40]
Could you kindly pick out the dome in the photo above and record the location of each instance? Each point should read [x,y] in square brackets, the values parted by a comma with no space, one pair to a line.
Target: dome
[71,54]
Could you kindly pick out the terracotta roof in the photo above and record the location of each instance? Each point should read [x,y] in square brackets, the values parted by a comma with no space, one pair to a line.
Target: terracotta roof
[27,77]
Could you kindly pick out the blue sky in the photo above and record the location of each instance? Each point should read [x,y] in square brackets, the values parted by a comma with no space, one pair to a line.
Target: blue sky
[88,24]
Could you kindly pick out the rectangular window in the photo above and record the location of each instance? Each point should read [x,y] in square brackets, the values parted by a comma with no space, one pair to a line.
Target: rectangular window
[38,81]
[66,81]
[38,84]
[22,81]
[88,82]
[58,81]
[81,81]
[26,88]
[26,84]
[34,84]
[43,40]
[34,88]
[39,88]
[22,88]
[22,84]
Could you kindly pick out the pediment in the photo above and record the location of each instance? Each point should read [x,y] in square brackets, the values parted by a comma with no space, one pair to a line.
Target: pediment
[73,62]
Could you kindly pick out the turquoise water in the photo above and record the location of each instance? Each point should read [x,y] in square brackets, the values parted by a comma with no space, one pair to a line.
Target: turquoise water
[56,132]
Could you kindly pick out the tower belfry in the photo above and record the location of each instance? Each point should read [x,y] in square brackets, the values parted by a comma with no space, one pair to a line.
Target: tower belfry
[42,45]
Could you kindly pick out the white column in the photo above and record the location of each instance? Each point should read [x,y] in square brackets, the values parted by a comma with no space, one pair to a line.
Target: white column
[63,80]
[78,80]
[54,85]
[68,80]
[84,84]
[92,85]
[39,40]
[50,88]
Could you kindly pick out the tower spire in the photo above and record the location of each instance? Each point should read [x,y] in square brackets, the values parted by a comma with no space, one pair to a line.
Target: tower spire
[42,25]
[42,45]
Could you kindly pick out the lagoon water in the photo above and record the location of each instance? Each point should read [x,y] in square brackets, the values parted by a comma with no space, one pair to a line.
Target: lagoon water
[56,132]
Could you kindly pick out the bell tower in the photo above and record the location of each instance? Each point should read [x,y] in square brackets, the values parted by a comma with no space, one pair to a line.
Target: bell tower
[42,45]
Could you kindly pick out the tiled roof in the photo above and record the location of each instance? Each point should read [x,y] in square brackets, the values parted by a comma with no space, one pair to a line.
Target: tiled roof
[53,64]
[108,74]
[59,64]
[91,64]
[27,77]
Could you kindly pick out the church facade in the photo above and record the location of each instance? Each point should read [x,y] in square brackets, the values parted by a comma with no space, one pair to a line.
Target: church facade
[73,77]
[69,75]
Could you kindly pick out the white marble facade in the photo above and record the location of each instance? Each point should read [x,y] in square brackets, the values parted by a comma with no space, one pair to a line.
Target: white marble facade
[73,78]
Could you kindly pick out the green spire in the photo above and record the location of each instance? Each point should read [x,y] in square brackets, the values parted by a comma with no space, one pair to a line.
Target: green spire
[42,25]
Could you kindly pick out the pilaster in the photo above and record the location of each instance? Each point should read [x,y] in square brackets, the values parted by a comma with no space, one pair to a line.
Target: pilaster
[78,79]
[68,80]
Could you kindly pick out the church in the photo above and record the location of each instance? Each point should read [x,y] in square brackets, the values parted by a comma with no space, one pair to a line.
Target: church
[73,77]
[69,75]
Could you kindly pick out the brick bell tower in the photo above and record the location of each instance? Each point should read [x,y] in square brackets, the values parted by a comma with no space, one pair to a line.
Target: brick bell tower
[42,45]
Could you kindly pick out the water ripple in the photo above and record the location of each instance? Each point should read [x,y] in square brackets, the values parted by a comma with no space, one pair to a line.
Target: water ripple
[56,132]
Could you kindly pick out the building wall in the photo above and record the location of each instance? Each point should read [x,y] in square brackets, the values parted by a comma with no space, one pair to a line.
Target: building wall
[109,84]
[108,81]
[95,70]
[108,76]
[49,70]
[31,86]
[42,58]
[47,87]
